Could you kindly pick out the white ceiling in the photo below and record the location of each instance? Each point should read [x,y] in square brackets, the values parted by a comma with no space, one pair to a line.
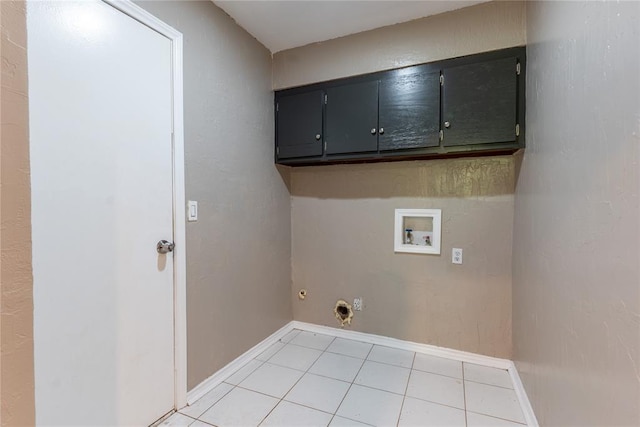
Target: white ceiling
[281,25]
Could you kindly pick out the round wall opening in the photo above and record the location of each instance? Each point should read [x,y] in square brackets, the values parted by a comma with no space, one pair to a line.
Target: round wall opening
[343,312]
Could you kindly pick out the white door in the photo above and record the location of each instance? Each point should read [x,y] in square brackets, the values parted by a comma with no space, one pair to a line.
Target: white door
[101,166]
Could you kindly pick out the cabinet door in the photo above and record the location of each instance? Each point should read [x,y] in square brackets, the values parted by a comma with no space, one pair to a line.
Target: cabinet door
[352,118]
[299,125]
[409,114]
[479,103]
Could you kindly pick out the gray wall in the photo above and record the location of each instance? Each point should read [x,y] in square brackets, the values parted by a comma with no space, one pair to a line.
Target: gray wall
[343,215]
[238,253]
[343,220]
[488,26]
[576,298]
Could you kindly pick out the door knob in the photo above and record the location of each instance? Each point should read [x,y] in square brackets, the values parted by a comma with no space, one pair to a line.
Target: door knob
[447,125]
[165,246]
[317,137]
[381,131]
[373,131]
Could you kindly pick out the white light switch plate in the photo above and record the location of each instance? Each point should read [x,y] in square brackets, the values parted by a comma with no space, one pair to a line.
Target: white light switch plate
[456,256]
[192,210]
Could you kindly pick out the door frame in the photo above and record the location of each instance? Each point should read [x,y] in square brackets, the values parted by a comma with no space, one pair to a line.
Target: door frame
[179,201]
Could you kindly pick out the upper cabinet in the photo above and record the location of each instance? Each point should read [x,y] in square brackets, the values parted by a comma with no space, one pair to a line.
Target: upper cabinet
[409,114]
[352,118]
[479,102]
[472,105]
[299,125]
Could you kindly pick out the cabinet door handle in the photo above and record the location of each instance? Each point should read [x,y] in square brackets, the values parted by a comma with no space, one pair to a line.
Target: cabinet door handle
[381,132]
[373,131]
[318,137]
[447,125]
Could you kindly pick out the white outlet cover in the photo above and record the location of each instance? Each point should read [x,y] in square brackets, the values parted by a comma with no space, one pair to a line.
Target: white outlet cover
[456,256]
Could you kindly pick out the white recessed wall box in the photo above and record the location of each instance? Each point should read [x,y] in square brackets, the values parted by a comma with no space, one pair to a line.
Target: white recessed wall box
[418,231]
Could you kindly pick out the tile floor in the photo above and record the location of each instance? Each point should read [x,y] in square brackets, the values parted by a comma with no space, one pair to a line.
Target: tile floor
[309,379]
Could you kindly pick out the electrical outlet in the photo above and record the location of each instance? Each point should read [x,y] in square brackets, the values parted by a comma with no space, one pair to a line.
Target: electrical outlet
[357,304]
[456,256]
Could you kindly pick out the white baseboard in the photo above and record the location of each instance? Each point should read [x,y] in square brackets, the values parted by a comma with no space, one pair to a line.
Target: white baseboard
[433,350]
[210,383]
[218,377]
[527,409]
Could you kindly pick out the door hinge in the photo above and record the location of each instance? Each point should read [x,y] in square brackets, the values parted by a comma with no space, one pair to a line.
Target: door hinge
[441,80]
[517,68]
[277,107]
[278,151]
[325,146]
[517,130]
[441,135]
[325,99]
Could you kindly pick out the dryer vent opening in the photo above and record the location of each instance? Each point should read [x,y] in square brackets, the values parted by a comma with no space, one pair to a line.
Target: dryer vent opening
[343,312]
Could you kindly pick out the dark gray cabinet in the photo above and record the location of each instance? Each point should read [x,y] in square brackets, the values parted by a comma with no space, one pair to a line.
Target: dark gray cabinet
[409,110]
[352,118]
[299,125]
[400,111]
[479,102]
[471,105]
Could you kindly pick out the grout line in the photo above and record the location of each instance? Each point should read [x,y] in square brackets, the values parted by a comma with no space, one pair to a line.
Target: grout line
[431,401]
[268,348]
[499,418]
[350,386]
[333,337]
[233,387]
[346,355]
[272,409]
[387,364]
[307,406]
[386,391]
[213,404]
[492,385]
[351,419]
[413,362]
[291,388]
[289,333]
[242,367]
[464,397]
[289,367]
[260,392]
[438,374]
[198,419]
[384,363]
[329,378]
[312,348]
[165,417]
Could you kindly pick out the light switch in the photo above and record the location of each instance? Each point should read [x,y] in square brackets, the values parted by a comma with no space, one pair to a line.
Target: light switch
[192,213]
